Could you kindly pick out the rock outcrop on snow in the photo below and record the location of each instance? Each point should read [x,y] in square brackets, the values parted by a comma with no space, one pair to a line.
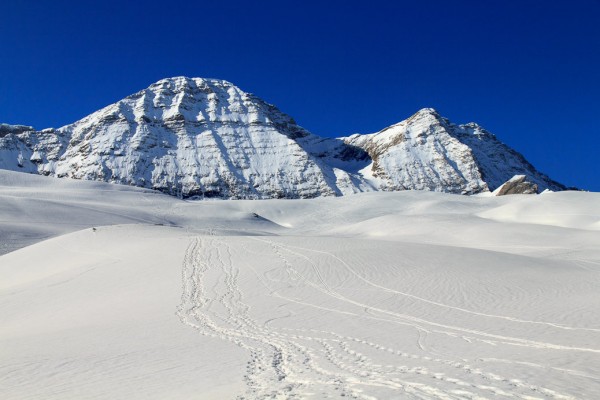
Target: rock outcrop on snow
[207,138]
[518,184]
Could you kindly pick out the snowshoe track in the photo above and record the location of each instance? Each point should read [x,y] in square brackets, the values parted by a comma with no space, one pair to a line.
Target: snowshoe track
[286,363]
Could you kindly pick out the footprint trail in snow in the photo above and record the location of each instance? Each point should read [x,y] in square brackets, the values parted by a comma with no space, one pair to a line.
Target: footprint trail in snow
[370,340]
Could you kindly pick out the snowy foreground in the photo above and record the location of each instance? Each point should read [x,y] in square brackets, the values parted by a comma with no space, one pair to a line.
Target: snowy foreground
[377,295]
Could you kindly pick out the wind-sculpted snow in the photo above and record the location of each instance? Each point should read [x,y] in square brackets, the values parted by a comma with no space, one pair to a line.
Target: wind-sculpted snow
[127,293]
[206,137]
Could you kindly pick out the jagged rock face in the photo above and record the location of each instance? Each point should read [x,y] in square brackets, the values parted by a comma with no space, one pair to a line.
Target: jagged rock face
[428,152]
[189,137]
[420,153]
[496,161]
[6,129]
[518,184]
[208,138]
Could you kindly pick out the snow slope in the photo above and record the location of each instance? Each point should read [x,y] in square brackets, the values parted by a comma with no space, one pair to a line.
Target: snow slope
[416,295]
[206,137]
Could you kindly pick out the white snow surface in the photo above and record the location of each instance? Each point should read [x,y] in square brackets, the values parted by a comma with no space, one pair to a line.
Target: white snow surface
[206,137]
[116,292]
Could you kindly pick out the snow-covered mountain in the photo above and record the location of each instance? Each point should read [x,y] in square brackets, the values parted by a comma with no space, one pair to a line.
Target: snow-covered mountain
[428,152]
[206,137]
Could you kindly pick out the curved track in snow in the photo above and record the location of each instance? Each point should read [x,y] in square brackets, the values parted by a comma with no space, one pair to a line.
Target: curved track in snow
[308,362]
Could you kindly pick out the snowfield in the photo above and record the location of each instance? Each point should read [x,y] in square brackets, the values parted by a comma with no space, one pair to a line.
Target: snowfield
[115,292]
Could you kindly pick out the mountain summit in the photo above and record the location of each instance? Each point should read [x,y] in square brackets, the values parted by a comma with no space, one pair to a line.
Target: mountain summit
[207,138]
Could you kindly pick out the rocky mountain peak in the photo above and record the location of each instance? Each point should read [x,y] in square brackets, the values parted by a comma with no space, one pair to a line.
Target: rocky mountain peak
[426,112]
[208,138]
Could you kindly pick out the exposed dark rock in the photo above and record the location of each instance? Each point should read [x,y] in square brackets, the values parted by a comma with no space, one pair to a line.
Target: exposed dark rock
[517,185]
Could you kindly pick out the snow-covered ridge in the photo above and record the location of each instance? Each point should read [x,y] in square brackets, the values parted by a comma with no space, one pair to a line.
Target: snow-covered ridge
[208,138]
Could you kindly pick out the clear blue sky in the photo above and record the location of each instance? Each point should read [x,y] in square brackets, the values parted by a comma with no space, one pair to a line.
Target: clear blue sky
[529,71]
